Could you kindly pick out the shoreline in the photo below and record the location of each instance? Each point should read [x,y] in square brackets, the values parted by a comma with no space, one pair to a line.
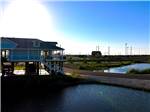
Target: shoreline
[134,81]
[45,82]
[125,83]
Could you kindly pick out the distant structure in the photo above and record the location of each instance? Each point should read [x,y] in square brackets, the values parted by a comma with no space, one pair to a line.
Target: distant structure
[96,53]
[33,53]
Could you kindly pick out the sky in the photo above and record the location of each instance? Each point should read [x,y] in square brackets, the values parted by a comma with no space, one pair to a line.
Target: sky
[80,26]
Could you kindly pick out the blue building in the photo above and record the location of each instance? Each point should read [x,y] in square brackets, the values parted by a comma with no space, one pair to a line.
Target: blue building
[33,52]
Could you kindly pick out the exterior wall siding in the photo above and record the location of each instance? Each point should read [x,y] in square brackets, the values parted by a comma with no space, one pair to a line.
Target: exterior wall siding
[25,55]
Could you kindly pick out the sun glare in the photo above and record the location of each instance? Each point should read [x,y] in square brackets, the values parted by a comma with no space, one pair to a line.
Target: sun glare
[31,19]
[26,18]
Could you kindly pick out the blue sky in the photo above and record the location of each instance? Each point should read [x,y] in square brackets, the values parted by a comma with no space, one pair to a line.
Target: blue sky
[86,24]
[106,22]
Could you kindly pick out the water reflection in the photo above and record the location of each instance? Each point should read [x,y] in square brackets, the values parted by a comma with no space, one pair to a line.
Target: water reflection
[86,98]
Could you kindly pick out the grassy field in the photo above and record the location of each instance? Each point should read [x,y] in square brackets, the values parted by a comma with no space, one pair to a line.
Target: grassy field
[85,65]
[83,62]
[88,65]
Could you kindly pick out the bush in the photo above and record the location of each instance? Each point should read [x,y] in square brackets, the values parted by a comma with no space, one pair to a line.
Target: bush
[135,71]
[146,71]
[75,73]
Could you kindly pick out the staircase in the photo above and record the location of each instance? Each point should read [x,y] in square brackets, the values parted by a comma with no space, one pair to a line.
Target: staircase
[49,68]
[7,70]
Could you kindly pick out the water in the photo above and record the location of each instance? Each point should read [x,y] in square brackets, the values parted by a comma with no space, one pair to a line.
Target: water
[87,98]
[126,68]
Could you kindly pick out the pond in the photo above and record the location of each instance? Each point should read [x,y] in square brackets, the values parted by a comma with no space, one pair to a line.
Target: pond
[124,69]
[86,98]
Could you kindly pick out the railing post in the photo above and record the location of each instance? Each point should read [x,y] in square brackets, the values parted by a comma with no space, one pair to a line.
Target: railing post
[11,54]
[62,56]
[28,53]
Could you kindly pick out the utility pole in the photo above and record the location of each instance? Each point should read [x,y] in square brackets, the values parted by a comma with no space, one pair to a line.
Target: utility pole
[98,48]
[108,50]
[131,50]
[125,48]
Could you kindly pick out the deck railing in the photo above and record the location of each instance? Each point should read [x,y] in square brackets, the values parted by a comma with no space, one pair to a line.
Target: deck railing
[35,58]
[54,57]
[24,57]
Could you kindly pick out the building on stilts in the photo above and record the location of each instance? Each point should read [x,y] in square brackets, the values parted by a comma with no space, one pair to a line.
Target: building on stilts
[34,53]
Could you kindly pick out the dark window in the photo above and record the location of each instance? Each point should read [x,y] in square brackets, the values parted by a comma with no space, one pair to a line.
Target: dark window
[36,43]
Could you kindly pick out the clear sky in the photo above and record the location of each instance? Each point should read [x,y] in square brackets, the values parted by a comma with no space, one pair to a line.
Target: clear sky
[83,25]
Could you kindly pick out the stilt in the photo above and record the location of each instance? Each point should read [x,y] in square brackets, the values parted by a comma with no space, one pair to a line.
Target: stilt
[37,68]
[32,68]
[12,67]
[27,68]
[3,71]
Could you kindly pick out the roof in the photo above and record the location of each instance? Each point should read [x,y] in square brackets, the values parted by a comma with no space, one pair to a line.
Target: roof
[28,43]
[22,42]
[47,45]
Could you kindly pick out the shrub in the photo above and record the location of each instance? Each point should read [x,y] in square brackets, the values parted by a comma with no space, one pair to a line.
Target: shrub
[136,71]
[75,73]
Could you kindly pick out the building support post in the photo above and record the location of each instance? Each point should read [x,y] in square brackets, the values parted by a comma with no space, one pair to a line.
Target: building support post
[2,68]
[12,67]
[5,53]
[26,68]
[37,68]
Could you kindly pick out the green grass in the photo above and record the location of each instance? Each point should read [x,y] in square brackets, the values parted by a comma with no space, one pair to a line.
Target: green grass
[93,65]
[75,74]
[136,71]
[19,67]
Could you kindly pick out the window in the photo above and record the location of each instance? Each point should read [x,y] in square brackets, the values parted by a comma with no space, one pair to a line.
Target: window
[5,53]
[36,43]
[42,53]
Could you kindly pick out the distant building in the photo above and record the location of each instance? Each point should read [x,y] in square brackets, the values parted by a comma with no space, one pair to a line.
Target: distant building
[96,53]
[32,52]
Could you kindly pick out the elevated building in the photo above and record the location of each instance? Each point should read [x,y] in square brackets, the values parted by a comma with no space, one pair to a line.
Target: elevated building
[32,52]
